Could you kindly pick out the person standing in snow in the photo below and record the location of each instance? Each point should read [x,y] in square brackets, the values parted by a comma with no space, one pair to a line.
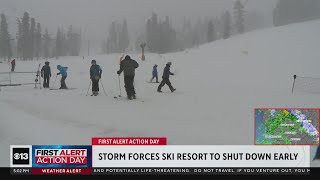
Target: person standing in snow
[128,66]
[165,78]
[46,74]
[13,65]
[95,76]
[64,75]
[154,74]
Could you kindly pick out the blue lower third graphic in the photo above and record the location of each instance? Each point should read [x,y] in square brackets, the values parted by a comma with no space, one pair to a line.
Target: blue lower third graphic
[61,156]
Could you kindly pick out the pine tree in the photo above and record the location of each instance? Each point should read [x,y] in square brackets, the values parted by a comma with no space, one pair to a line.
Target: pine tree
[153,33]
[25,38]
[58,47]
[239,16]
[226,25]
[211,33]
[5,48]
[149,35]
[73,42]
[196,38]
[46,44]
[70,41]
[187,34]
[124,37]
[32,38]
[38,41]
[19,39]
[112,42]
[64,44]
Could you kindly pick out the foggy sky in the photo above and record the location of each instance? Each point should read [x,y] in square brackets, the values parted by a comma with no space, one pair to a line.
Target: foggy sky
[94,16]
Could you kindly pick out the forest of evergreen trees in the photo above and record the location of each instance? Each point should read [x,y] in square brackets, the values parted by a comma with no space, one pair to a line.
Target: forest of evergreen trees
[32,42]
[294,11]
[162,37]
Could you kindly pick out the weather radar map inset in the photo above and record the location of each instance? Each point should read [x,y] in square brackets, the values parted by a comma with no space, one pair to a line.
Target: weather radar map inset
[287,126]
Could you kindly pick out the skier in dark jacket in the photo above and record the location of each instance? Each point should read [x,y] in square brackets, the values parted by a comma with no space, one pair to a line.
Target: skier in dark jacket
[13,65]
[128,66]
[46,74]
[64,74]
[95,76]
[154,74]
[165,78]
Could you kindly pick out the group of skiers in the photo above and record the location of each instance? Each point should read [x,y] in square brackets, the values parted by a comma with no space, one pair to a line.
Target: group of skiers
[46,75]
[127,66]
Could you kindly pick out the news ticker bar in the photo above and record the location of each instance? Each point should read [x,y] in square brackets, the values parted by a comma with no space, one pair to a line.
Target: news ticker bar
[162,171]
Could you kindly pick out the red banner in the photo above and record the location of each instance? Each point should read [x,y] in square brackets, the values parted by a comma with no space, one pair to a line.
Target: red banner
[61,170]
[150,141]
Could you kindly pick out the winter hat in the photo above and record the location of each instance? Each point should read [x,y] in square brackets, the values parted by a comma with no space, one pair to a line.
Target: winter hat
[46,63]
[93,62]
[169,63]
[127,57]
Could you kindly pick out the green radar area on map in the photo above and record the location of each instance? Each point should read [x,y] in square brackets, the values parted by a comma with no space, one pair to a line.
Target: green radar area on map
[287,126]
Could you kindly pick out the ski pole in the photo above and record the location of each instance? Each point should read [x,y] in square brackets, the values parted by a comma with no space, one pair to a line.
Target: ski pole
[54,82]
[119,86]
[88,88]
[103,88]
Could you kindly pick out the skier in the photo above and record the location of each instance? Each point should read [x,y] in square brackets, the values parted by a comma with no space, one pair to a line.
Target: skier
[165,78]
[128,66]
[154,74]
[46,74]
[95,76]
[13,65]
[64,74]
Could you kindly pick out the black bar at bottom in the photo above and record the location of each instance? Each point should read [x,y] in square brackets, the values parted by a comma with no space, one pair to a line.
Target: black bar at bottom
[202,171]
[183,171]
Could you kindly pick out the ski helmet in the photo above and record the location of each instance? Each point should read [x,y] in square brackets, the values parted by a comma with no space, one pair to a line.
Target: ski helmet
[46,63]
[169,63]
[93,62]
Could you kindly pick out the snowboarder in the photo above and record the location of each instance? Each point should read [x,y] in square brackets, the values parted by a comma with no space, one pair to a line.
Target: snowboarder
[165,78]
[95,76]
[128,66]
[46,74]
[154,74]
[64,74]
[13,65]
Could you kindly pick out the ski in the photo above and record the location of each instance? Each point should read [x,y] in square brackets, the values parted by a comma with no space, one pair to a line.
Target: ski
[124,98]
[63,89]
